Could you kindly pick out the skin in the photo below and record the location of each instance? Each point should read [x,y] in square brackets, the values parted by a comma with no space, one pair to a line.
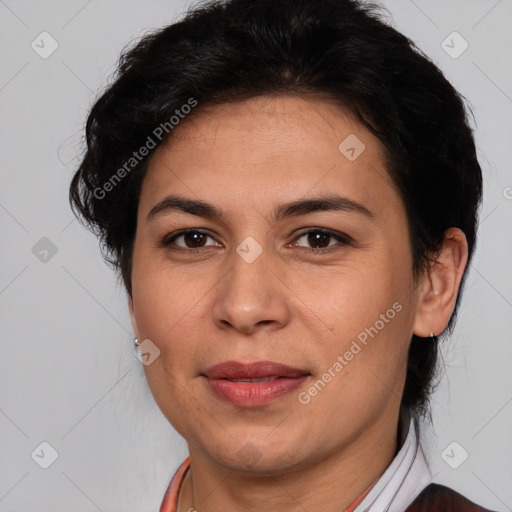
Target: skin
[289,305]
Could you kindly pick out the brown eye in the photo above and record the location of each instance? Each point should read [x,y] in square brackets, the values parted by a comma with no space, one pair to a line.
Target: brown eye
[321,239]
[194,239]
[190,239]
[318,239]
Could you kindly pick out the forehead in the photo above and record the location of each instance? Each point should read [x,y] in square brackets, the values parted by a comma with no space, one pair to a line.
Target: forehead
[256,151]
[267,123]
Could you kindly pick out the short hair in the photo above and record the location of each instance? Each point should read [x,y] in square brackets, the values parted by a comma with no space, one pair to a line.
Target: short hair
[227,51]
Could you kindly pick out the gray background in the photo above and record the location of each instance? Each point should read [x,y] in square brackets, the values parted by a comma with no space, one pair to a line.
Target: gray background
[68,375]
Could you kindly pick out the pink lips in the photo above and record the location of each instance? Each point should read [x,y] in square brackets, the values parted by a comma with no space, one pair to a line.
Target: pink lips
[253,384]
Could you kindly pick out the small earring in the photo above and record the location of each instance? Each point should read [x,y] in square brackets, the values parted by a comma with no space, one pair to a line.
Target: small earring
[432,336]
[137,342]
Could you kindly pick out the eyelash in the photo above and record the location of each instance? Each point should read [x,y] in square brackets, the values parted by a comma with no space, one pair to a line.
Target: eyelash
[342,238]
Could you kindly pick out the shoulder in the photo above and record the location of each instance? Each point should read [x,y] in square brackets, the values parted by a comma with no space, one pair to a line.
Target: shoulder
[438,497]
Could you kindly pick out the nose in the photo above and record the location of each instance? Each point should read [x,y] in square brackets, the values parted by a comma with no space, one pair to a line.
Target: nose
[252,296]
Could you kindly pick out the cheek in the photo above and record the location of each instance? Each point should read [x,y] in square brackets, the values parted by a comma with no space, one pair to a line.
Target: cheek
[363,369]
[173,310]
[165,295]
[355,298]
[371,317]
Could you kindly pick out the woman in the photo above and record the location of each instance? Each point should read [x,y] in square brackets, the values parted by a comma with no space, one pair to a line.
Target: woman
[289,190]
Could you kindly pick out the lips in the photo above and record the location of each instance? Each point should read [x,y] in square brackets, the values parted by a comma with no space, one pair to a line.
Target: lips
[233,370]
[253,384]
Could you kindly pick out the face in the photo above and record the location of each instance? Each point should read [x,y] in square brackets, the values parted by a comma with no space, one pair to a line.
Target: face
[302,258]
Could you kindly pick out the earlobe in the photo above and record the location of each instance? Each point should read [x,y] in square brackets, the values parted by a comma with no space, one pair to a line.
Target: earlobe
[441,286]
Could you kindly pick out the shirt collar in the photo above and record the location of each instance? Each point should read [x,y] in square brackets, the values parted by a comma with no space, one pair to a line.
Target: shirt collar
[406,476]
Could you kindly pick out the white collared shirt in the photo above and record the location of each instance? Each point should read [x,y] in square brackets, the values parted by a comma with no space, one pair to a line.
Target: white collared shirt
[404,479]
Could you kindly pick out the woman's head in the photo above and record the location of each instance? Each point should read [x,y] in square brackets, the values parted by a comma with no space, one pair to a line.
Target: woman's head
[249,105]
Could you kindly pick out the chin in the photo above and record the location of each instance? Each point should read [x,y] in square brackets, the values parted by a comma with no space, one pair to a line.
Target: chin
[258,457]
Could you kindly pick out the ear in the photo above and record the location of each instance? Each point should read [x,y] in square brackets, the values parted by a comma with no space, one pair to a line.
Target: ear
[440,285]
[132,317]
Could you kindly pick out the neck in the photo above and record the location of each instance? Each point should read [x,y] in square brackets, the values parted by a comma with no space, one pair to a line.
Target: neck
[330,484]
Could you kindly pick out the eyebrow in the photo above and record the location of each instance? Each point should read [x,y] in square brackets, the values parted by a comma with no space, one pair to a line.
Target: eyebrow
[173,203]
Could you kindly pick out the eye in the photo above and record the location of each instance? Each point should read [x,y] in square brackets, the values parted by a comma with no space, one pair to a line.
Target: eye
[191,239]
[322,238]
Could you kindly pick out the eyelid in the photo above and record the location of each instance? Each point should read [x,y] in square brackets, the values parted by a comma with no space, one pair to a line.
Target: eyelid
[168,239]
[342,238]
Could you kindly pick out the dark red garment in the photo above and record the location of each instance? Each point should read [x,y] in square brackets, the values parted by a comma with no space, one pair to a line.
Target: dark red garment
[436,497]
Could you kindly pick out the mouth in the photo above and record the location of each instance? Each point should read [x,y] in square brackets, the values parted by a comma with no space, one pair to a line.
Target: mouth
[234,370]
[253,384]
[263,379]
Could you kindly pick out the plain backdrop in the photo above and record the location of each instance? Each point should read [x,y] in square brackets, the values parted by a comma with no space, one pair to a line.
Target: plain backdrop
[68,376]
